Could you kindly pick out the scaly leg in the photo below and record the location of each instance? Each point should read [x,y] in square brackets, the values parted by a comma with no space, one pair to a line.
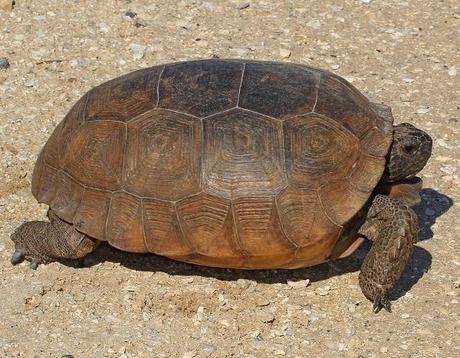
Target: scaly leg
[41,242]
[393,227]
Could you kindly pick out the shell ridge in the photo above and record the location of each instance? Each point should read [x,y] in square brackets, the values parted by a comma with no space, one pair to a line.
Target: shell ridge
[143,225]
[324,209]
[241,85]
[106,224]
[283,230]
[183,237]
[318,84]
[158,85]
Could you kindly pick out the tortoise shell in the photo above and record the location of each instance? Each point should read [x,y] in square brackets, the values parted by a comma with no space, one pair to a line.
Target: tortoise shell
[226,163]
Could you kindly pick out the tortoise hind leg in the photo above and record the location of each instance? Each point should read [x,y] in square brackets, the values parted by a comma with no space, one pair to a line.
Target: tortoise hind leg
[393,227]
[41,242]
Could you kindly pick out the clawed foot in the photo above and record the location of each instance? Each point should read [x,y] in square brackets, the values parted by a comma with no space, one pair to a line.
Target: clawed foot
[381,302]
[31,244]
[20,255]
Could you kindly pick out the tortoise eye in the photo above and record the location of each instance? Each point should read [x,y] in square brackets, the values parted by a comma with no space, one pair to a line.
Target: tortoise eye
[410,148]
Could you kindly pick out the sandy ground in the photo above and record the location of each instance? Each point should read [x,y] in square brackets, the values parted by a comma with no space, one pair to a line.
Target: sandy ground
[403,53]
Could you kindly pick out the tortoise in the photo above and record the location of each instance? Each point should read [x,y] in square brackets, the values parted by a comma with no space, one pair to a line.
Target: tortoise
[234,164]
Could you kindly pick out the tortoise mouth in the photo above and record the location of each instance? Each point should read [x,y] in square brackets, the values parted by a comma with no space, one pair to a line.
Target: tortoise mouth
[406,190]
[410,180]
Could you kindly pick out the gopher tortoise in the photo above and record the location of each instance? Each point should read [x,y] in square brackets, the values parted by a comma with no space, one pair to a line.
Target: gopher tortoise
[231,163]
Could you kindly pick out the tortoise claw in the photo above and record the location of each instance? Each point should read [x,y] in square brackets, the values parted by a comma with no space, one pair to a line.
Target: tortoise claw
[381,302]
[17,257]
[34,264]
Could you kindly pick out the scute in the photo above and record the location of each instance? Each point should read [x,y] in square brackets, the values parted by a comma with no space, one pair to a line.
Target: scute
[318,149]
[207,221]
[125,224]
[260,233]
[91,214]
[341,201]
[242,155]
[200,88]
[339,101]
[163,234]
[125,97]
[278,90]
[163,147]
[68,197]
[94,154]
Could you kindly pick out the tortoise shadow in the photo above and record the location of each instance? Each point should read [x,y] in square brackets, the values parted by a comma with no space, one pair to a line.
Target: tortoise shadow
[433,205]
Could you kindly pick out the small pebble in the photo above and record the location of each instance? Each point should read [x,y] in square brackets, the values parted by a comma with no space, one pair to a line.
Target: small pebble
[4,63]
[243,283]
[224,323]
[315,24]
[405,315]
[312,317]
[423,109]
[240,52]
[280,352]
[284,53]
[448,169]
[299,284]
[323,291]
[335,67]
[405,97]
[452,71]
[138,50]
[262,302]
[130,14]
[207,347]
[29,83]
[190,354]
[146,316]
[200,314]
[139,23]
[441,142]
[104,27]
[6,5]
[80,62]
[244,5]
[266,316]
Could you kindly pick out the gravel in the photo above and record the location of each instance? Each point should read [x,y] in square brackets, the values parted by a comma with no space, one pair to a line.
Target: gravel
[4,63]
[402,53]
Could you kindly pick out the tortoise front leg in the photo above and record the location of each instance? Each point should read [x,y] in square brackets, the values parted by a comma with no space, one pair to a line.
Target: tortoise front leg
[393,227]
[41,242]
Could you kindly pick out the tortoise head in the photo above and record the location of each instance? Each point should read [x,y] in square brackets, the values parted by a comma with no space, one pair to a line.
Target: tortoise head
[408,154]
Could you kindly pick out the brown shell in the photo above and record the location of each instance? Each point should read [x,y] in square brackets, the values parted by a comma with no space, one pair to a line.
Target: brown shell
[218,162]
